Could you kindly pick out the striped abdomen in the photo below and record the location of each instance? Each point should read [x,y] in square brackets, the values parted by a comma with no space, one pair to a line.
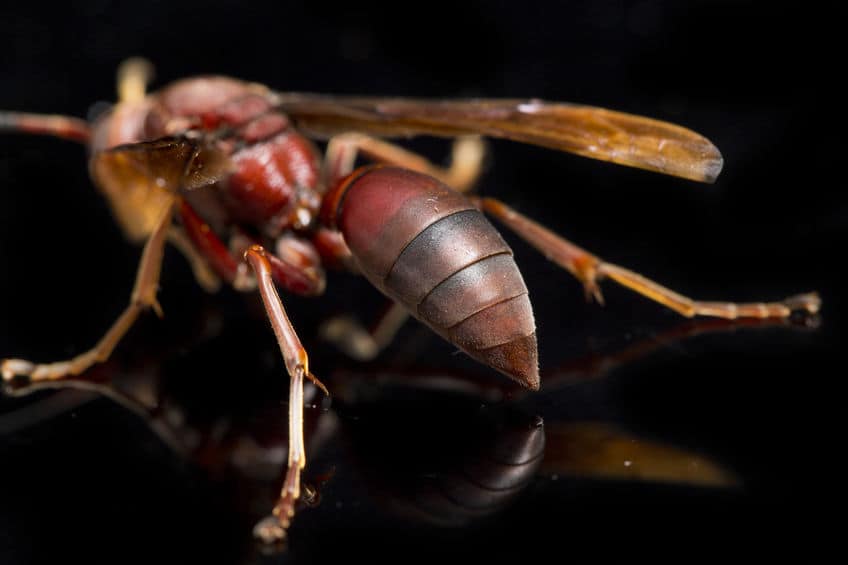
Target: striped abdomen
[427,247]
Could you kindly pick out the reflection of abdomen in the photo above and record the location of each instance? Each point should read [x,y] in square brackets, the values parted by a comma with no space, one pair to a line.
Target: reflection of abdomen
[427,247]
[484,481]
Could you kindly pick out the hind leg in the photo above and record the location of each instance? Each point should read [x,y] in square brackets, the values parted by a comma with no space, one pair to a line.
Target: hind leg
[465,167]
[590,269]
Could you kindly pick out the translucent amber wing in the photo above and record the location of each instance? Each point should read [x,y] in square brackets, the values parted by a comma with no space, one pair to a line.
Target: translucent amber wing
[592,132]
[170,163]
[140,179]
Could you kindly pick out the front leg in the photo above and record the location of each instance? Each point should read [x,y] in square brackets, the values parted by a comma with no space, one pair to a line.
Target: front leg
[273,528]
[143,297]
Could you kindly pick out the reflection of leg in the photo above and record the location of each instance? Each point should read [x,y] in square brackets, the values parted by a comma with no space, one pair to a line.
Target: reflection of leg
[465,167]
[358,342]
[273,528]
[143,296]
[589,269]
[597,364]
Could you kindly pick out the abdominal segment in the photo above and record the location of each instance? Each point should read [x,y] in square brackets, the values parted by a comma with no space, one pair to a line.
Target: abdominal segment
[428,248]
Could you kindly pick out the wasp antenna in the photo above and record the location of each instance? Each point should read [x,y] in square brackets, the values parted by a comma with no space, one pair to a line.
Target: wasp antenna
[64,127]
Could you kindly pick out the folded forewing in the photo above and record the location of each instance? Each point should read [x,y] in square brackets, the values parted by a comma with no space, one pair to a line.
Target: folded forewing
[589,131]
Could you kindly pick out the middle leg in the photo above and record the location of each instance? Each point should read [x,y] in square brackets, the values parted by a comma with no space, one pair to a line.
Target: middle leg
[359,342]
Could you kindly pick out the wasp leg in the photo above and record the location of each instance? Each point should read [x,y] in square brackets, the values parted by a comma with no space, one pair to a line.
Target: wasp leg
[295,266]
[203,274]
[273,528]
[133,76]
[465,167]
[64,127]
[343,331]
[143,296]
[207,247]
[589,269]
[361,343]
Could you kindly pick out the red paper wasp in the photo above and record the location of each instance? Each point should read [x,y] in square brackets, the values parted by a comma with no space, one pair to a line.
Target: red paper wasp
[224,170]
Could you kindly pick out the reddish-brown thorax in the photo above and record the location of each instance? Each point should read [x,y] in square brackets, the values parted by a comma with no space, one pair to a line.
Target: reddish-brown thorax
[272,187]
[274,178]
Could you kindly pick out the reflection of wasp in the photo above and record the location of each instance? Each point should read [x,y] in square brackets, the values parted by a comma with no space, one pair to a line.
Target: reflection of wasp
[405,224]
[487,450]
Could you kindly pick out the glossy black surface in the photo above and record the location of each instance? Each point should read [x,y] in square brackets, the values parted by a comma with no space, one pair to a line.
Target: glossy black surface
[95,483]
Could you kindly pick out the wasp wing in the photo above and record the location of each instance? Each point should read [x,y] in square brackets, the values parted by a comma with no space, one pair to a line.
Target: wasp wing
[141,179]
[169,163]
[589,131]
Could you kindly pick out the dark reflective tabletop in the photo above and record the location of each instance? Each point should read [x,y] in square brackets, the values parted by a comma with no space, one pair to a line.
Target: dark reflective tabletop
[653,437]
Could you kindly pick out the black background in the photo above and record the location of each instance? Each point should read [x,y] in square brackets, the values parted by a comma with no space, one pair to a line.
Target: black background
[757,79]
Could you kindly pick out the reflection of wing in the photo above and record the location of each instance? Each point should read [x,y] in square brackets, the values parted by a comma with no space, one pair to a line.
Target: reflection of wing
[601,451]
[598,133]
[140,179]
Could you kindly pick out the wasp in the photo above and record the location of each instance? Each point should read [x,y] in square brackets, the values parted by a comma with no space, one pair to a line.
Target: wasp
[227,171]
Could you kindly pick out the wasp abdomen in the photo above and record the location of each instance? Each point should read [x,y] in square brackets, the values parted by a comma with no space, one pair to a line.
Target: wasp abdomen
[427,247]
